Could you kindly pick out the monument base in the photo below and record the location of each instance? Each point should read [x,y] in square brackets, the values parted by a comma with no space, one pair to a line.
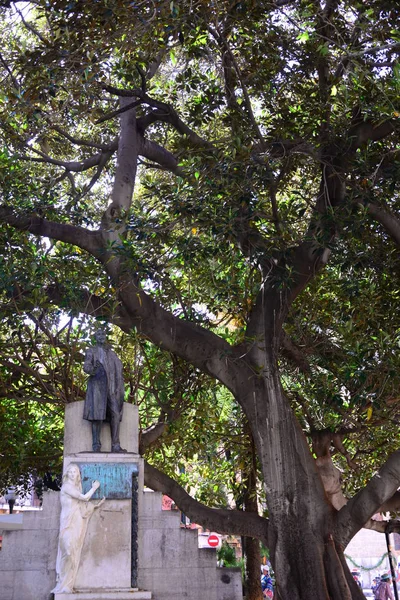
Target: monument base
[117,594]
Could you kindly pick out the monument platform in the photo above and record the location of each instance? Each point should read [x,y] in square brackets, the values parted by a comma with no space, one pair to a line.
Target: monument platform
[78,432]
[109,559]
[116,594]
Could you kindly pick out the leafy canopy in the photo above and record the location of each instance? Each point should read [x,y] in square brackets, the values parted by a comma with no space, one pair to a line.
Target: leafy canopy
[246,103]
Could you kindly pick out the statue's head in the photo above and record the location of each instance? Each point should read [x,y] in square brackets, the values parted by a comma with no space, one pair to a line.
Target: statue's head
[100,336]
[73,475]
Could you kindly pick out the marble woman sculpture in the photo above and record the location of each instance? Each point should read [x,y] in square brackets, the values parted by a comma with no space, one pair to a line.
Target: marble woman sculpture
[75,514]
[105,391]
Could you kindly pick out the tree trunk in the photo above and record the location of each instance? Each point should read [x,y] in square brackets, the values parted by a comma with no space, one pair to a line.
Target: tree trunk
[253,569]
[251,548]
[306,562]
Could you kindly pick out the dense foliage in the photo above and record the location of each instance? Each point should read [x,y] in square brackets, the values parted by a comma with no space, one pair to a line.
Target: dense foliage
[248,233]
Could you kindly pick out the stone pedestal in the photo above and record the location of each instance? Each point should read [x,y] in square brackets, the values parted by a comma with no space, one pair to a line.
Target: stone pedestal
[108,564]
[78,432]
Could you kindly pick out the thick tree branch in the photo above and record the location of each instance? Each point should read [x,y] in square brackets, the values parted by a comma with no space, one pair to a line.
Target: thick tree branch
[103,161]
[374,50]
[362,133]
[221,39]
[125,176]
[388,220]
[391,505]
[169,115]
[154,66]
[156,153]
[206,350]
[75,166]
[313,253]
[168,415]
[84,301]
[214,519]
[78,236]
[31,28]
[186,339]
[378,526]
[162,112]
[150,435]
[93,305]
[294,353]
[381,488]
[123,93]
[81,142]
[147,149]
[118,111]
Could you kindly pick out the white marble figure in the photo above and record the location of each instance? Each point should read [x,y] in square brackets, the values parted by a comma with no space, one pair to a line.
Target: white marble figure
[75,514]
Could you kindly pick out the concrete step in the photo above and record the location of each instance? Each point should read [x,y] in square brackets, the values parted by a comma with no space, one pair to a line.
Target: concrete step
[109,594]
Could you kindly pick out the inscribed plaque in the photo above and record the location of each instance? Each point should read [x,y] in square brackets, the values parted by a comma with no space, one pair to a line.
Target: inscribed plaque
[115,479]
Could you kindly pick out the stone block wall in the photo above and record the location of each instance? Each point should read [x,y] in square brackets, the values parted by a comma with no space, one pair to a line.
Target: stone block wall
[172,565]
[28,556]
[229,583]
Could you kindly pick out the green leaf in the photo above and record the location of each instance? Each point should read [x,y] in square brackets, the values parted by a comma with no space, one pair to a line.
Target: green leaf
[303,37]
[172,56]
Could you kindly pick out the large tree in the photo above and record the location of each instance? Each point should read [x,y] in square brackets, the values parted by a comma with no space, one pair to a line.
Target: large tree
[189,164]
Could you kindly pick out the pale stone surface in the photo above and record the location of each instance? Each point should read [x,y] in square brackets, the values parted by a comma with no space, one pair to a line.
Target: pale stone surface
[194,575]
[183,583]
[170,563]
[48,517]
[43,519]
[26,548]
[116,594]
[31,585]
[106,556]
[78,432]
[76,512]
[103,457]
[11,522]
[33,549]
[7,579]
[229,584]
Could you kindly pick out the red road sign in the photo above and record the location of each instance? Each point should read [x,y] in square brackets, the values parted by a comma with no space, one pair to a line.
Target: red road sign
[213,540]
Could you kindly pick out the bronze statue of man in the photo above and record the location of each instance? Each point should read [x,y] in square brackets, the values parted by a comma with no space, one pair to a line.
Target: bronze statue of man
[105,391]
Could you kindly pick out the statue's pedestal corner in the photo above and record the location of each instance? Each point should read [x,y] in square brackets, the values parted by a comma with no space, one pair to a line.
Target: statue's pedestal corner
[106,594]
[101,457]
[105,454]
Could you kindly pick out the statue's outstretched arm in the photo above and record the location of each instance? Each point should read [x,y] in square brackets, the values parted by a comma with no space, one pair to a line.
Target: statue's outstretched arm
[72,491]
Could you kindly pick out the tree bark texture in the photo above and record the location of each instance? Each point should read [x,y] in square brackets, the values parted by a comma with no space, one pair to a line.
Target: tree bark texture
[253,574]
[251,548]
